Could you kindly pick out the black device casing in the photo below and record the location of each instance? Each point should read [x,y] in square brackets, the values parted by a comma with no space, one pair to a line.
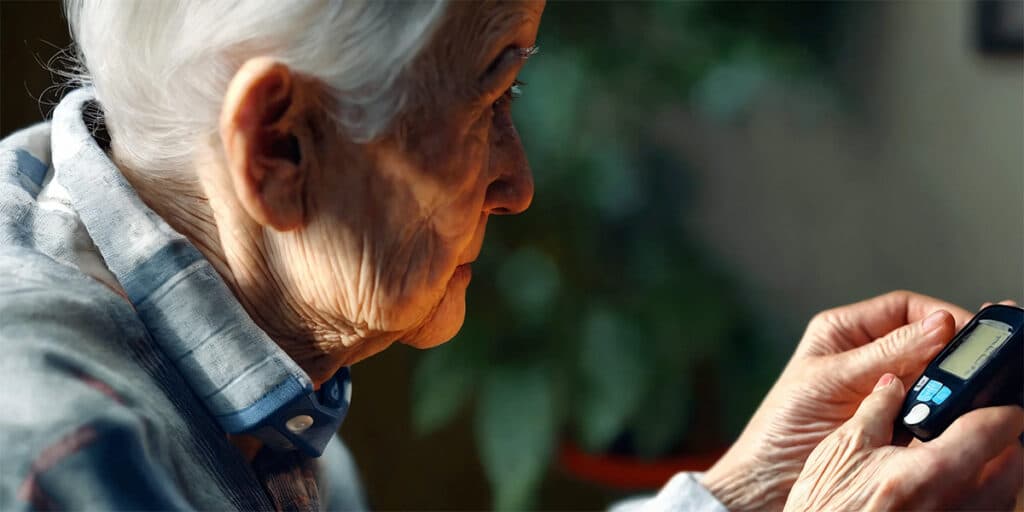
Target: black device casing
[999,382]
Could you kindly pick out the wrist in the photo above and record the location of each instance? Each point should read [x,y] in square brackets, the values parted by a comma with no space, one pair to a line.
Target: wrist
[749,485]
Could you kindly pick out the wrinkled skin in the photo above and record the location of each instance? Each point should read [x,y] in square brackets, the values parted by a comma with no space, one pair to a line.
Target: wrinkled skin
[842,354]
[336,248]
[976,463]
[420,209]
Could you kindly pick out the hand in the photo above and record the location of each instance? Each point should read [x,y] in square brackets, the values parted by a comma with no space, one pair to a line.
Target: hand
[855,468]
[842,354]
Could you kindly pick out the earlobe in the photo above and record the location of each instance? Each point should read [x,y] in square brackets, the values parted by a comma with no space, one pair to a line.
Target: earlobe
[261,135]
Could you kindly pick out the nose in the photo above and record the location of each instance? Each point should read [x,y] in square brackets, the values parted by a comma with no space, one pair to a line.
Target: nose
[510,195]
[511,192]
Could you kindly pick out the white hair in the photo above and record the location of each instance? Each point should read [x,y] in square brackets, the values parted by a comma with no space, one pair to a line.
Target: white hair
[160,69]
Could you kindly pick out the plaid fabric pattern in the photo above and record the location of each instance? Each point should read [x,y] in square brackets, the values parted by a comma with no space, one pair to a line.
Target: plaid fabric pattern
[124,358]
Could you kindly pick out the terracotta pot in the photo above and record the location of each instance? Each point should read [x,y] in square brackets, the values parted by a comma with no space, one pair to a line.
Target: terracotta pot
[630,473]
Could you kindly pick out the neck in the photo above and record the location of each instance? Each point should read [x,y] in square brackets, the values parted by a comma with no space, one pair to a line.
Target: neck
[237,255]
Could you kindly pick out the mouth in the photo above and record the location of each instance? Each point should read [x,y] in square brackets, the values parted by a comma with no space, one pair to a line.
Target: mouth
[465,269]
[463,272]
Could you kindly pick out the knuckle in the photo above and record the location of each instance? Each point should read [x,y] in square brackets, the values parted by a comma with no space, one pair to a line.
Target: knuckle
[899,294]
[902,334]
[897,342]
[822,318]
[842,434]
[829,321]
[854,434]
[888,347]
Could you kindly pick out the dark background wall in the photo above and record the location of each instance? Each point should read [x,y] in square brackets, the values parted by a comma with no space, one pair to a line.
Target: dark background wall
[30,34]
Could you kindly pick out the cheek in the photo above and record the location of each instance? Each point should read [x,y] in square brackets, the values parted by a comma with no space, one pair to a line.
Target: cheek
[455,156]
[460,172]
[382,250]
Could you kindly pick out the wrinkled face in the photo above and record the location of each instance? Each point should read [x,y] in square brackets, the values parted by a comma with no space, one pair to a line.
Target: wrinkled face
[394,225]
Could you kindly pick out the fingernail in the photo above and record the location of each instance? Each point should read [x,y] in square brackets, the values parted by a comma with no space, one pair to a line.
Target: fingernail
[934,321]
[884,381]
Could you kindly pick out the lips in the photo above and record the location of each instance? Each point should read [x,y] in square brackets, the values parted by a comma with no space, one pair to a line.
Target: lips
[465,267]
[464,271]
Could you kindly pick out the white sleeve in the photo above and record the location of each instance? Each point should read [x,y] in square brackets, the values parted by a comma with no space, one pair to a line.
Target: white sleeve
[683,493]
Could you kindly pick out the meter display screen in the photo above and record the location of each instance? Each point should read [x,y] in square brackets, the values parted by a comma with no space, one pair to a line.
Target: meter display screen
[975,350]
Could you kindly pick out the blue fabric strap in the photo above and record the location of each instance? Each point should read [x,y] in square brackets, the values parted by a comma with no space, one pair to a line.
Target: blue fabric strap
[308,421]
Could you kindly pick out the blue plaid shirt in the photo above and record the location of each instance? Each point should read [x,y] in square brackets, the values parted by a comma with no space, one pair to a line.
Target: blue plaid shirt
[125,360]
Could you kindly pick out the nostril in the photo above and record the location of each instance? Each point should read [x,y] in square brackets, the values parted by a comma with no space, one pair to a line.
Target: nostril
[499,194]
[509,194]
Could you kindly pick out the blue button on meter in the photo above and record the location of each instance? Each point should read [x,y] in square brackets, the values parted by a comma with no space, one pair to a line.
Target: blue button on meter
[980,367]
[929,391]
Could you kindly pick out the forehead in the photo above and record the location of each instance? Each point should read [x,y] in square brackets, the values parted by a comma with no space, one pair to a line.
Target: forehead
[474,32]
[443,108]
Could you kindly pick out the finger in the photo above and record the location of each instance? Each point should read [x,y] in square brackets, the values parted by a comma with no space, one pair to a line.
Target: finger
[1005,302]
[978,437]
[995,488]
[920,306]
[999,483]
[905,351]
[881,315]
[877,413]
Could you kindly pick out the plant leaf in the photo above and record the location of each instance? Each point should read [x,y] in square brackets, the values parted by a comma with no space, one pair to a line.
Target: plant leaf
[529,282]
[515,427]
[443,381]
[615,375]
[662,419]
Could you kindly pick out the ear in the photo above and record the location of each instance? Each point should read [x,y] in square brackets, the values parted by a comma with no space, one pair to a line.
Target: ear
[260,129]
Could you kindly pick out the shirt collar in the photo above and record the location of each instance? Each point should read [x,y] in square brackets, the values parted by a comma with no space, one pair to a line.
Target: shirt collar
[244,379]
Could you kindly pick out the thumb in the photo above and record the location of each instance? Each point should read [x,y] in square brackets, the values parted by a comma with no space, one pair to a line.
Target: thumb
[877,413]
[905,351]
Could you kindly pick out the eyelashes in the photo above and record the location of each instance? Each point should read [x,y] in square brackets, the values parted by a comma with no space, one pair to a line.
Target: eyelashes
[508,58]
[516,89]
[530,51]
[511,94]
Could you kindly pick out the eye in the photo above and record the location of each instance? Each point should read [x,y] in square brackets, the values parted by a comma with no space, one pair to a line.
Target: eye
[510,57]
[503,68]
[510,94]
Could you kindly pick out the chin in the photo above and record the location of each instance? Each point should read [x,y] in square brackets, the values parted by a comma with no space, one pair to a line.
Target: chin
[446,319]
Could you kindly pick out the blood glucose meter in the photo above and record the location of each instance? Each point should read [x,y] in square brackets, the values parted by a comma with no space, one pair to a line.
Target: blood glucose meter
[981,367]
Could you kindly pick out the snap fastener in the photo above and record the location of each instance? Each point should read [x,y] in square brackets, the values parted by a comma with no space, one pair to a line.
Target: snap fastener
[299,424]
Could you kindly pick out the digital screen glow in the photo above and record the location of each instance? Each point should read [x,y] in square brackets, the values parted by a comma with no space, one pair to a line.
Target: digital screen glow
[977,348]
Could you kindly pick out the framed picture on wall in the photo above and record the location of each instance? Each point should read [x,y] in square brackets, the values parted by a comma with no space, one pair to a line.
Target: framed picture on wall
[1001,26]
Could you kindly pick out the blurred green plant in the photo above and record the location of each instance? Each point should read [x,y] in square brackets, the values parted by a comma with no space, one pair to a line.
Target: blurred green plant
[594,314]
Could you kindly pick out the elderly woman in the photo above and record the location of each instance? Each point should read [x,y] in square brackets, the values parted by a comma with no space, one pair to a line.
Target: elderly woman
[249,197]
